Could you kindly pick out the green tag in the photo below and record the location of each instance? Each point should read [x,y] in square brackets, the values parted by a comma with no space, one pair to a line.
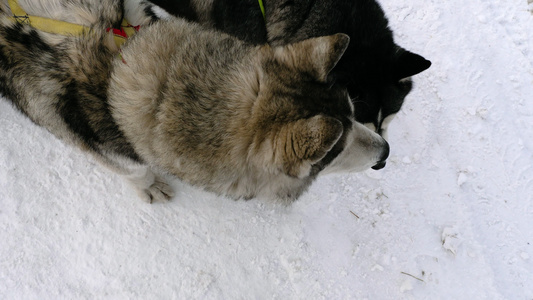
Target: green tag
[262,8]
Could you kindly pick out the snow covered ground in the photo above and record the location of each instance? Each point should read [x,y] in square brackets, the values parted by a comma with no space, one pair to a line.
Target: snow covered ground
[450,217]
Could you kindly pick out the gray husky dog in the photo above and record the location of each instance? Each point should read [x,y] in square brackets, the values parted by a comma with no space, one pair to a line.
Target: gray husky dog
[374,69]
[236,119]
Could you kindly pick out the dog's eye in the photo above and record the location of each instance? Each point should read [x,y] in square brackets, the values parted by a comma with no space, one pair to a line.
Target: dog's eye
[331,81]
[405,84]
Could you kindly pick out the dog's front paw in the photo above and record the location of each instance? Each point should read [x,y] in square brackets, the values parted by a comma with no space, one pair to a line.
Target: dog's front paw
[159,191]
[149,186]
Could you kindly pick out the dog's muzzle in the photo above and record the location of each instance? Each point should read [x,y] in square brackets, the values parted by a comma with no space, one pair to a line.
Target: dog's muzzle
[383,159]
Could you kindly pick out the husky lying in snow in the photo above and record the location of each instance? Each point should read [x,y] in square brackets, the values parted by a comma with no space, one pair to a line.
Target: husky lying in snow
[234,118]
[375,70]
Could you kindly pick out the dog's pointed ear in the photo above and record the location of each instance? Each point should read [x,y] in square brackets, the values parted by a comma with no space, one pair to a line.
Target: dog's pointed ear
[315,55]
[408,64]
[305,142]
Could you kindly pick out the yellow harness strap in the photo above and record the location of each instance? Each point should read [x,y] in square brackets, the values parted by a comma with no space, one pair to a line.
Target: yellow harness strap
[45,24]
[64,28]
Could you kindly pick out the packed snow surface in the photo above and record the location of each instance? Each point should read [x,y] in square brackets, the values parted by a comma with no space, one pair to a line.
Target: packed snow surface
[450,217]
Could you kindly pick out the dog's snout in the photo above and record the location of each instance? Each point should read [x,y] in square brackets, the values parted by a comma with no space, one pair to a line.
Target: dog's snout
[383,158]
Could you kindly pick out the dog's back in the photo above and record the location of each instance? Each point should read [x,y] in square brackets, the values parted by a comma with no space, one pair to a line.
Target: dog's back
[59,81]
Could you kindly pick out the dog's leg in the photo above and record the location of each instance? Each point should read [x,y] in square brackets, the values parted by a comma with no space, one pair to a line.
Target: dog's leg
[149,186]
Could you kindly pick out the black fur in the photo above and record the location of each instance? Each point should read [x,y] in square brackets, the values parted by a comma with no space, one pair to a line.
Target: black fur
[228,16]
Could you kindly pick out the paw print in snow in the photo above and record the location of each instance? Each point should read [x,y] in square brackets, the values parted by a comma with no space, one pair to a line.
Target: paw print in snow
[451,240]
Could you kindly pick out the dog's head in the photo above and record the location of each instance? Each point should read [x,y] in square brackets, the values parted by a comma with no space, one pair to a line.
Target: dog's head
[304,122]
[378,93]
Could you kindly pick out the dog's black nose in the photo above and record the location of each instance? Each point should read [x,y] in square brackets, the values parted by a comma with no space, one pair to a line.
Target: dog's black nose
[380,165]
[383,159]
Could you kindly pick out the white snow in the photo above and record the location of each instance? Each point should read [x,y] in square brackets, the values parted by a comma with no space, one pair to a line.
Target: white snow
[450,217]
